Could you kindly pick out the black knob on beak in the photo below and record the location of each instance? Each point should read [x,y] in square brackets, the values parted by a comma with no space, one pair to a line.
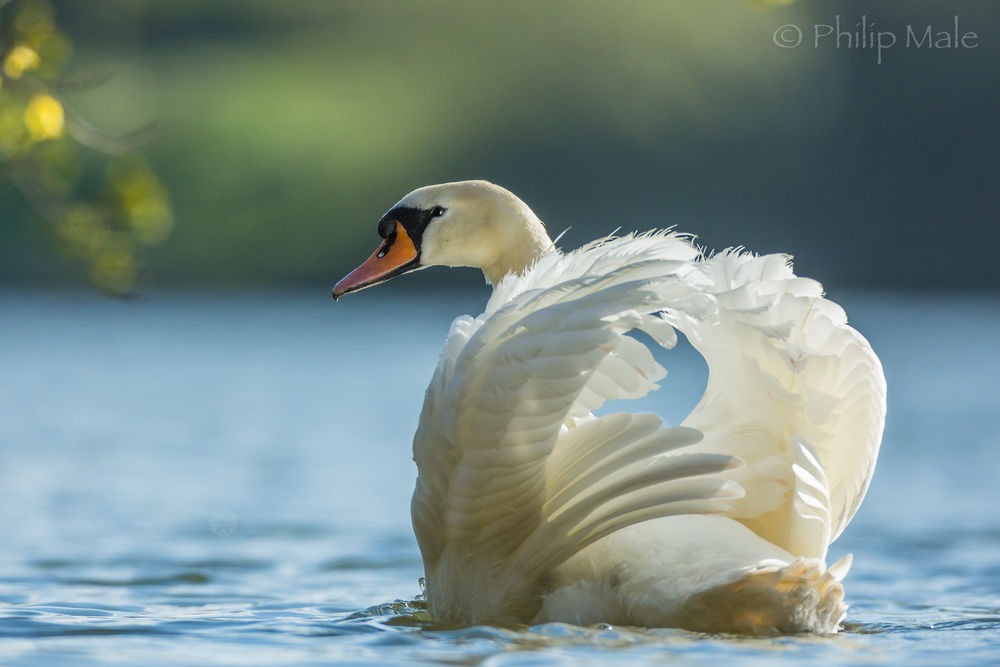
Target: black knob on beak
[386,227]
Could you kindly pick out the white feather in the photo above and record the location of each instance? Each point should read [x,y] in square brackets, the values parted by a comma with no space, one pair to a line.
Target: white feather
[528,507]
[517,478]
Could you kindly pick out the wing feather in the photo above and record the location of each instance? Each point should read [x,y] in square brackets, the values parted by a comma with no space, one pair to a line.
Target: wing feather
[515,472]
[512,465]
[785,368]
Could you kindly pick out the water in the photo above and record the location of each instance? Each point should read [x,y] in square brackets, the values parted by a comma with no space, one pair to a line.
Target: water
[226,479]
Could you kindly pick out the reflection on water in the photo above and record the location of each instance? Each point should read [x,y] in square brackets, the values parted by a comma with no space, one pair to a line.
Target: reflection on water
[191,479]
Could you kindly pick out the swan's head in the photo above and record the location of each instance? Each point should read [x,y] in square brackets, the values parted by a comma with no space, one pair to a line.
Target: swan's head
[468,223]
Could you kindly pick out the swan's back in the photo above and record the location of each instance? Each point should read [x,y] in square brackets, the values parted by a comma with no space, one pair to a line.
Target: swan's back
[517,477]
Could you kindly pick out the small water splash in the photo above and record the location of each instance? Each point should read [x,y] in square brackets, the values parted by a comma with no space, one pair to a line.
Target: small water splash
[399,613]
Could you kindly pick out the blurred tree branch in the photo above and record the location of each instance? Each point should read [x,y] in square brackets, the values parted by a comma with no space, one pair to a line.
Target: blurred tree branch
[41,145]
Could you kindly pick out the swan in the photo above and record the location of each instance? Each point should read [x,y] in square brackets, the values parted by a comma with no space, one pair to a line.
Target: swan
[529,508]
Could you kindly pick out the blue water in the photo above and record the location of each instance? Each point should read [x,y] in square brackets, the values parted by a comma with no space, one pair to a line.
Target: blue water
[225,479]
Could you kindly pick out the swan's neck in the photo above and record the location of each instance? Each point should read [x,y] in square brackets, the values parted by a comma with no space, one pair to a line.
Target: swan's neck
[522,244]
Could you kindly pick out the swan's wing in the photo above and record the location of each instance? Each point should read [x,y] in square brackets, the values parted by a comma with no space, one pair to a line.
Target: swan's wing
[513,468]
[793,390]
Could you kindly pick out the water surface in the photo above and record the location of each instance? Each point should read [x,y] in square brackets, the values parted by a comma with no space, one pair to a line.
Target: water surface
[226,479]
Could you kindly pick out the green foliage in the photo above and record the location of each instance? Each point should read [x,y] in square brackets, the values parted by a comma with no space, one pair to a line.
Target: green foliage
[284,124]
[42,142]
[287,128]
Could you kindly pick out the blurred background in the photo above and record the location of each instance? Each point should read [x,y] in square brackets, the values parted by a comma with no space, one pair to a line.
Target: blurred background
[284,130]
[225,457]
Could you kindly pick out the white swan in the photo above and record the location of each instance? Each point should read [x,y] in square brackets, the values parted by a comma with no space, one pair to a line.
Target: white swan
[528,508]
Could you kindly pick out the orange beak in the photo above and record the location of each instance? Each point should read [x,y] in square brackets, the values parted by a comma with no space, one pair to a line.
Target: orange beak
[396,255]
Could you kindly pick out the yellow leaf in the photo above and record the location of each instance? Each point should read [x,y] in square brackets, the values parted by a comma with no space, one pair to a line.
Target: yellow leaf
[44,117]
[21,59]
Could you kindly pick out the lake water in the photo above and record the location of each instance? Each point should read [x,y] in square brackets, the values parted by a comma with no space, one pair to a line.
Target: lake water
[226,479]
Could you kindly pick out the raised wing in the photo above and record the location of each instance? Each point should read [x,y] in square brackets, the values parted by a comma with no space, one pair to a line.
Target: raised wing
[515,473]
[794,391]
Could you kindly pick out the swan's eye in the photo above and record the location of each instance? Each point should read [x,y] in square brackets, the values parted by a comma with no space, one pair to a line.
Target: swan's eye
[437,211]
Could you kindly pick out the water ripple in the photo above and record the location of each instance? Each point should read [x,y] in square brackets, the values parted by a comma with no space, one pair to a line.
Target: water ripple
[109,515]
